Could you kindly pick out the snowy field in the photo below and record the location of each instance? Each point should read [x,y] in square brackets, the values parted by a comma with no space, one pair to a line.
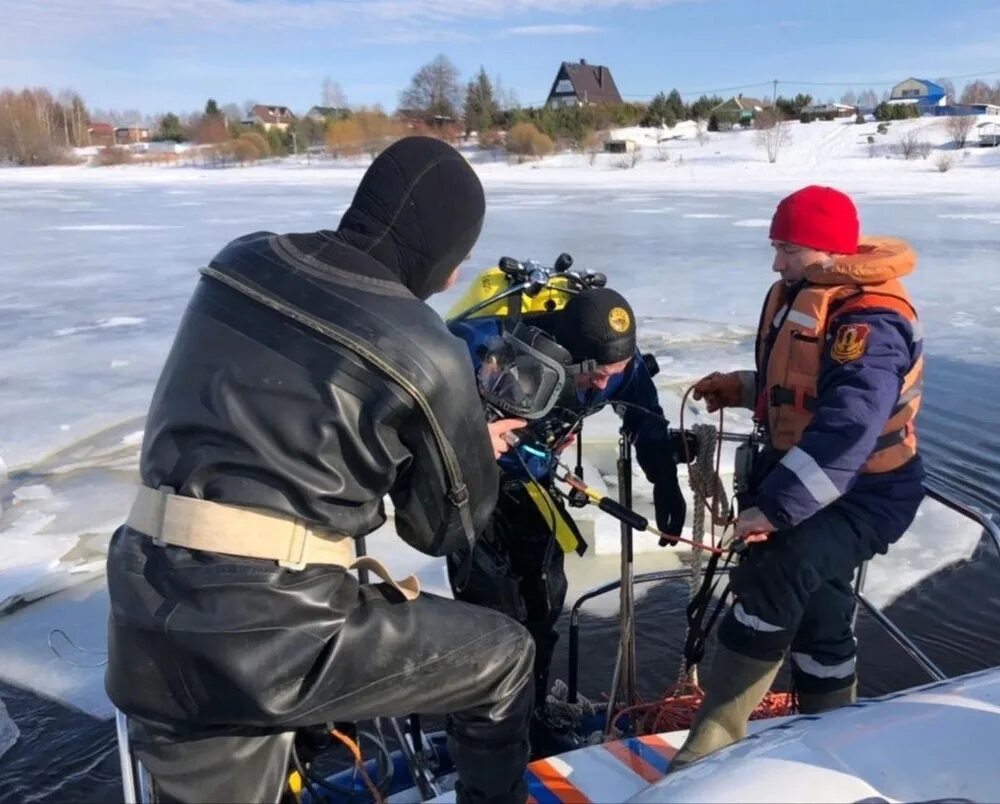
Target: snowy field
[98,264]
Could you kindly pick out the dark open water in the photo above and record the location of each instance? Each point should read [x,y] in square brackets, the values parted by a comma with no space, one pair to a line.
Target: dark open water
[954,616]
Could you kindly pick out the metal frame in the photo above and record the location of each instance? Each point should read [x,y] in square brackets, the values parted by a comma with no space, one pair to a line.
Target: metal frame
[136,782]
[984,519]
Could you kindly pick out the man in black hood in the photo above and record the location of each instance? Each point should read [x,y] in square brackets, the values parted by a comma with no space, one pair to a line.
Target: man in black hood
[307,381]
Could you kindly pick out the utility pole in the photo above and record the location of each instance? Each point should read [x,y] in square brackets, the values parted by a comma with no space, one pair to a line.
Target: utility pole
[774,94]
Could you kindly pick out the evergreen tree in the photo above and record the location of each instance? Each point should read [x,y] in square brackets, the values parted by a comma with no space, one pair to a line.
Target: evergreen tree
[676,104]
[656,112]
[170,129]
[792,108]
[481,108]
[701,108]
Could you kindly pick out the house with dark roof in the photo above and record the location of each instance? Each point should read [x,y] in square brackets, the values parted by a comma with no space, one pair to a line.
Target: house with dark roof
[582,84]
[279,117]
[738,109]
[323,114]
[101,134]
[925,94]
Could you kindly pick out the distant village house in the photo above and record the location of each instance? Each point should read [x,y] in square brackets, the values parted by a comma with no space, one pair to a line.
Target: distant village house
[738,109]
[963,109]
[128,135]
[925,94]
[582,84]
[101,134]
[279,117]
[413,118]
[988,134]
[621,146]
[327,114]
[825,110]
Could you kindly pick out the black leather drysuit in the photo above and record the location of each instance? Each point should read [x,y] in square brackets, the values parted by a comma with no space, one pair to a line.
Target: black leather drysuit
[309,378]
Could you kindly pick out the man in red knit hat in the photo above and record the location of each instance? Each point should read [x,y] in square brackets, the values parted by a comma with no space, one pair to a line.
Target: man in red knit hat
[835,392]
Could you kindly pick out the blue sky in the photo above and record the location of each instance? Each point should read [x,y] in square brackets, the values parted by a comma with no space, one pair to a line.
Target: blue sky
[158,55]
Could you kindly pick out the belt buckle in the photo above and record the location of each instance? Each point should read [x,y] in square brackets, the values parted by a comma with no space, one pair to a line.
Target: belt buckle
[295,559]
[165,495]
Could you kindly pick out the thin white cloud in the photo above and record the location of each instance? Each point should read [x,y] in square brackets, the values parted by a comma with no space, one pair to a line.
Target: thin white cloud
[414,36]
[551,30]
[28,24]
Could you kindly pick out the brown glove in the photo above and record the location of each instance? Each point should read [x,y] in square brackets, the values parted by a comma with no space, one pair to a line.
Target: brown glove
[720,390]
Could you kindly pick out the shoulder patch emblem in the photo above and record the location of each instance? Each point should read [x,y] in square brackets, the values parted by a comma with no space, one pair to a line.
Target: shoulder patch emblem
[850,342]
[619,320]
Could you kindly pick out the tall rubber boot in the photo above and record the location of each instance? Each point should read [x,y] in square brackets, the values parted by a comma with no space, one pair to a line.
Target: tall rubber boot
[736,684]
[812,703]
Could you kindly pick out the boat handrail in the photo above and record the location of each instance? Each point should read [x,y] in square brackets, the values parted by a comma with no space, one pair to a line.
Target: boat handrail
[933,490]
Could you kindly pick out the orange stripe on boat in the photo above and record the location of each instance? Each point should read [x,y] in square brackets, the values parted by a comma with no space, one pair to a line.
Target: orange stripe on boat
[557,784]
[659,745]
[636,763]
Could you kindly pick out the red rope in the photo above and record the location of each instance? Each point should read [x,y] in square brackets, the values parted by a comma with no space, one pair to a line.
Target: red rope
[676,710]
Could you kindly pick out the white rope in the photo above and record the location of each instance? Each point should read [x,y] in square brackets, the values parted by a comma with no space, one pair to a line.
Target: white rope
[706,485]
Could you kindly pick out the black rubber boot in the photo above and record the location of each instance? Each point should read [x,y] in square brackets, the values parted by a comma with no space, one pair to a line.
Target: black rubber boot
[490,775]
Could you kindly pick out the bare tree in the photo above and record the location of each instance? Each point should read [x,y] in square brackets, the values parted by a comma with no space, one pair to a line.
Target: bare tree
[912,146]
[506,98]
[333,95]
[949,89]
[849,98]
[434,90]
[868,99]
[977,92]
[959,128]
[944,163]
[232,112]
[32,128]
[772,133]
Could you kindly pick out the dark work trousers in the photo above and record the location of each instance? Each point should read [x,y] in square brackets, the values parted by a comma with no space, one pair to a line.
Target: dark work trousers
[796,591]
[217,660]
[517,568]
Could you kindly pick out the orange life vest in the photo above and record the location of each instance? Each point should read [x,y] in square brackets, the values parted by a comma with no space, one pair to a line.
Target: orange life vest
[792,339]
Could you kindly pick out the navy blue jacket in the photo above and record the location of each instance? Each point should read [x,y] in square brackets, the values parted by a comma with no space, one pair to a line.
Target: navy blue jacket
[854,402]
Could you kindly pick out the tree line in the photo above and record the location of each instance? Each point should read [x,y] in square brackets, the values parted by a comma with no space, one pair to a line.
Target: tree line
[37,127]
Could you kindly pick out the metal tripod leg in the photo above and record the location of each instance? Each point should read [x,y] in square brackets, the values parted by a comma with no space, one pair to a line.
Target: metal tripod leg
[623,685]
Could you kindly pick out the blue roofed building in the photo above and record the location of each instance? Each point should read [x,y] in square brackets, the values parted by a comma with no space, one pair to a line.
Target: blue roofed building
[925,94]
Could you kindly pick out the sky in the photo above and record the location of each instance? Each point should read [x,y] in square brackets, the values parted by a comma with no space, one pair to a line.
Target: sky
[171,55]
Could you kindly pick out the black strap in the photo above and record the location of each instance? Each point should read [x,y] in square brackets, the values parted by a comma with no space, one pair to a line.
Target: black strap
[698,629]
[513,317]
[891,439]
[780,395]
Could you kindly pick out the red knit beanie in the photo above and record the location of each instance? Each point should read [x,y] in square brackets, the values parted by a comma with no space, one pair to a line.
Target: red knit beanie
[818,217]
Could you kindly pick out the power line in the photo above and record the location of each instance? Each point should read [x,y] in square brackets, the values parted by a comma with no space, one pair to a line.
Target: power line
[881,81]
[697,93]
[761,84]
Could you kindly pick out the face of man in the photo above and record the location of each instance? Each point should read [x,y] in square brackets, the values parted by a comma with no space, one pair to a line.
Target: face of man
[791,261]
[599,378]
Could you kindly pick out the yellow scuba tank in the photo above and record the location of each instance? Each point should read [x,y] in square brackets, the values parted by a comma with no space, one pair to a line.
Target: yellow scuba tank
[493,281]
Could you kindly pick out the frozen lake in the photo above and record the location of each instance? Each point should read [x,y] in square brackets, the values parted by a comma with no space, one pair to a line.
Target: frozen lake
[96,274]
